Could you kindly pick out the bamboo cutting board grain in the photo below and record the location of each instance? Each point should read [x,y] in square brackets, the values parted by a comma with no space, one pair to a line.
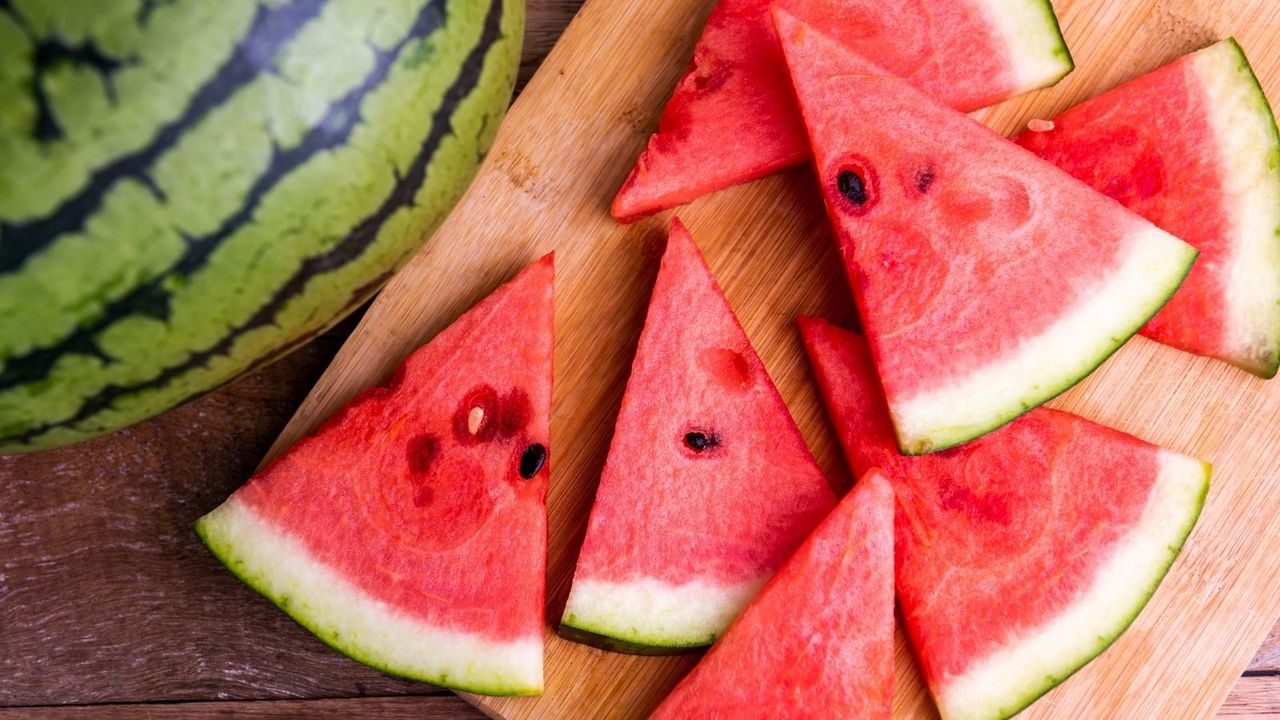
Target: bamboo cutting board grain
[565,148]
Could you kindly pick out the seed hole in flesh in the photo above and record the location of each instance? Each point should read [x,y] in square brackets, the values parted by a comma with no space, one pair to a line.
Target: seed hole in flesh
[422,495]
[852,187]
[701,442]
[422,453]
[924,179]
[532,460]
[728,367]
[514,412]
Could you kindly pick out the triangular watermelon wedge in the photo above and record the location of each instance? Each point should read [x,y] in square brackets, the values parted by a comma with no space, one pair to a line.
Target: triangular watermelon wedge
[817,642]
[409,532]
[1021,555]
[708,485]
[733,118]
[1193,148]
[988,280]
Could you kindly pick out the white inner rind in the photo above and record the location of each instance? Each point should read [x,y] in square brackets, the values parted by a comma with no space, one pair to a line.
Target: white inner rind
[1011,678]
[1037,52]
[278,566]
[1044,365]
[652,612]
[1247,153]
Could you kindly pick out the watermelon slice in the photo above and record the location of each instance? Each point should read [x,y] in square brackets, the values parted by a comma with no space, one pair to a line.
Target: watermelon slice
[988,280]
[1193,148]
[409,532]
[818,640]
[733,117]
[708,486]
[1021,555]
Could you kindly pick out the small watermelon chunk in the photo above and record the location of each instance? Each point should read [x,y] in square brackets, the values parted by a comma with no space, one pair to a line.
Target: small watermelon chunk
[733,118]
[988,280]
[409,532]
[1193,148]
[708,486]
[817,642]
[1021,555]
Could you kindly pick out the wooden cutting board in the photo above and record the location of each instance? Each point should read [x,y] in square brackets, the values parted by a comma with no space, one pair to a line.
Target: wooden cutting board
[566,147]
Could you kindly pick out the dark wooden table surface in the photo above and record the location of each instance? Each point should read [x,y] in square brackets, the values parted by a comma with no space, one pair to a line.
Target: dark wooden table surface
[111,608]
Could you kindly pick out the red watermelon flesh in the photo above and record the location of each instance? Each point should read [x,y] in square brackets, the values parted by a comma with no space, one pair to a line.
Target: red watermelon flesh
[988,280]
[733,118]
[409,532]
[817,642]
[1193,148]
[708,485]
[1023,554]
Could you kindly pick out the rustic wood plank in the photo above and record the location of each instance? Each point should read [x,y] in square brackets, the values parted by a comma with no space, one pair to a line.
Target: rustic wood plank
[1267,659]
[433,707]
[1255,697]
[107,595]
[566,146]
[545,20]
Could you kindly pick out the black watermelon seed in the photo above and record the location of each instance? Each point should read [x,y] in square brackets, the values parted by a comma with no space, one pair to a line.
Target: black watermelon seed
[700,442]
[851,186]
[924,179]
[532,460]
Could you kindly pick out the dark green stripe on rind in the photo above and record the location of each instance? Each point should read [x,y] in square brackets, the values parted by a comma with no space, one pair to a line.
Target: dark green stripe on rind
[152,298]
[272,29]
[478,60]
[1105,642]
[612,644]
[1267,370]
[50,53]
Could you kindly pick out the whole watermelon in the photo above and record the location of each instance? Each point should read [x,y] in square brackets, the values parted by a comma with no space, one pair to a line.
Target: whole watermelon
[190,189]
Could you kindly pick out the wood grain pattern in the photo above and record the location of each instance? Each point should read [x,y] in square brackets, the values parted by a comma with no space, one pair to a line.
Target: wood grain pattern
[80,623]
[566,146]
[107,596]
[435,707]
[1267,659]
[1253,698]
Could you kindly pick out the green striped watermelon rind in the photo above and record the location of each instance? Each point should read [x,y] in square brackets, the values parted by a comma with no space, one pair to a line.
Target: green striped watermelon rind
[1038,680]
[1269,161]
[192,264]
[277,566]
[1037,25]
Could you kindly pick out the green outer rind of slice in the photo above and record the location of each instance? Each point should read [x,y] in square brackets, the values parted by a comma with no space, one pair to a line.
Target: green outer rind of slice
[942,437]
[213,531]
[1034,38]
[1062,52]
[1270,157]
[612,644]
[1069,667]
